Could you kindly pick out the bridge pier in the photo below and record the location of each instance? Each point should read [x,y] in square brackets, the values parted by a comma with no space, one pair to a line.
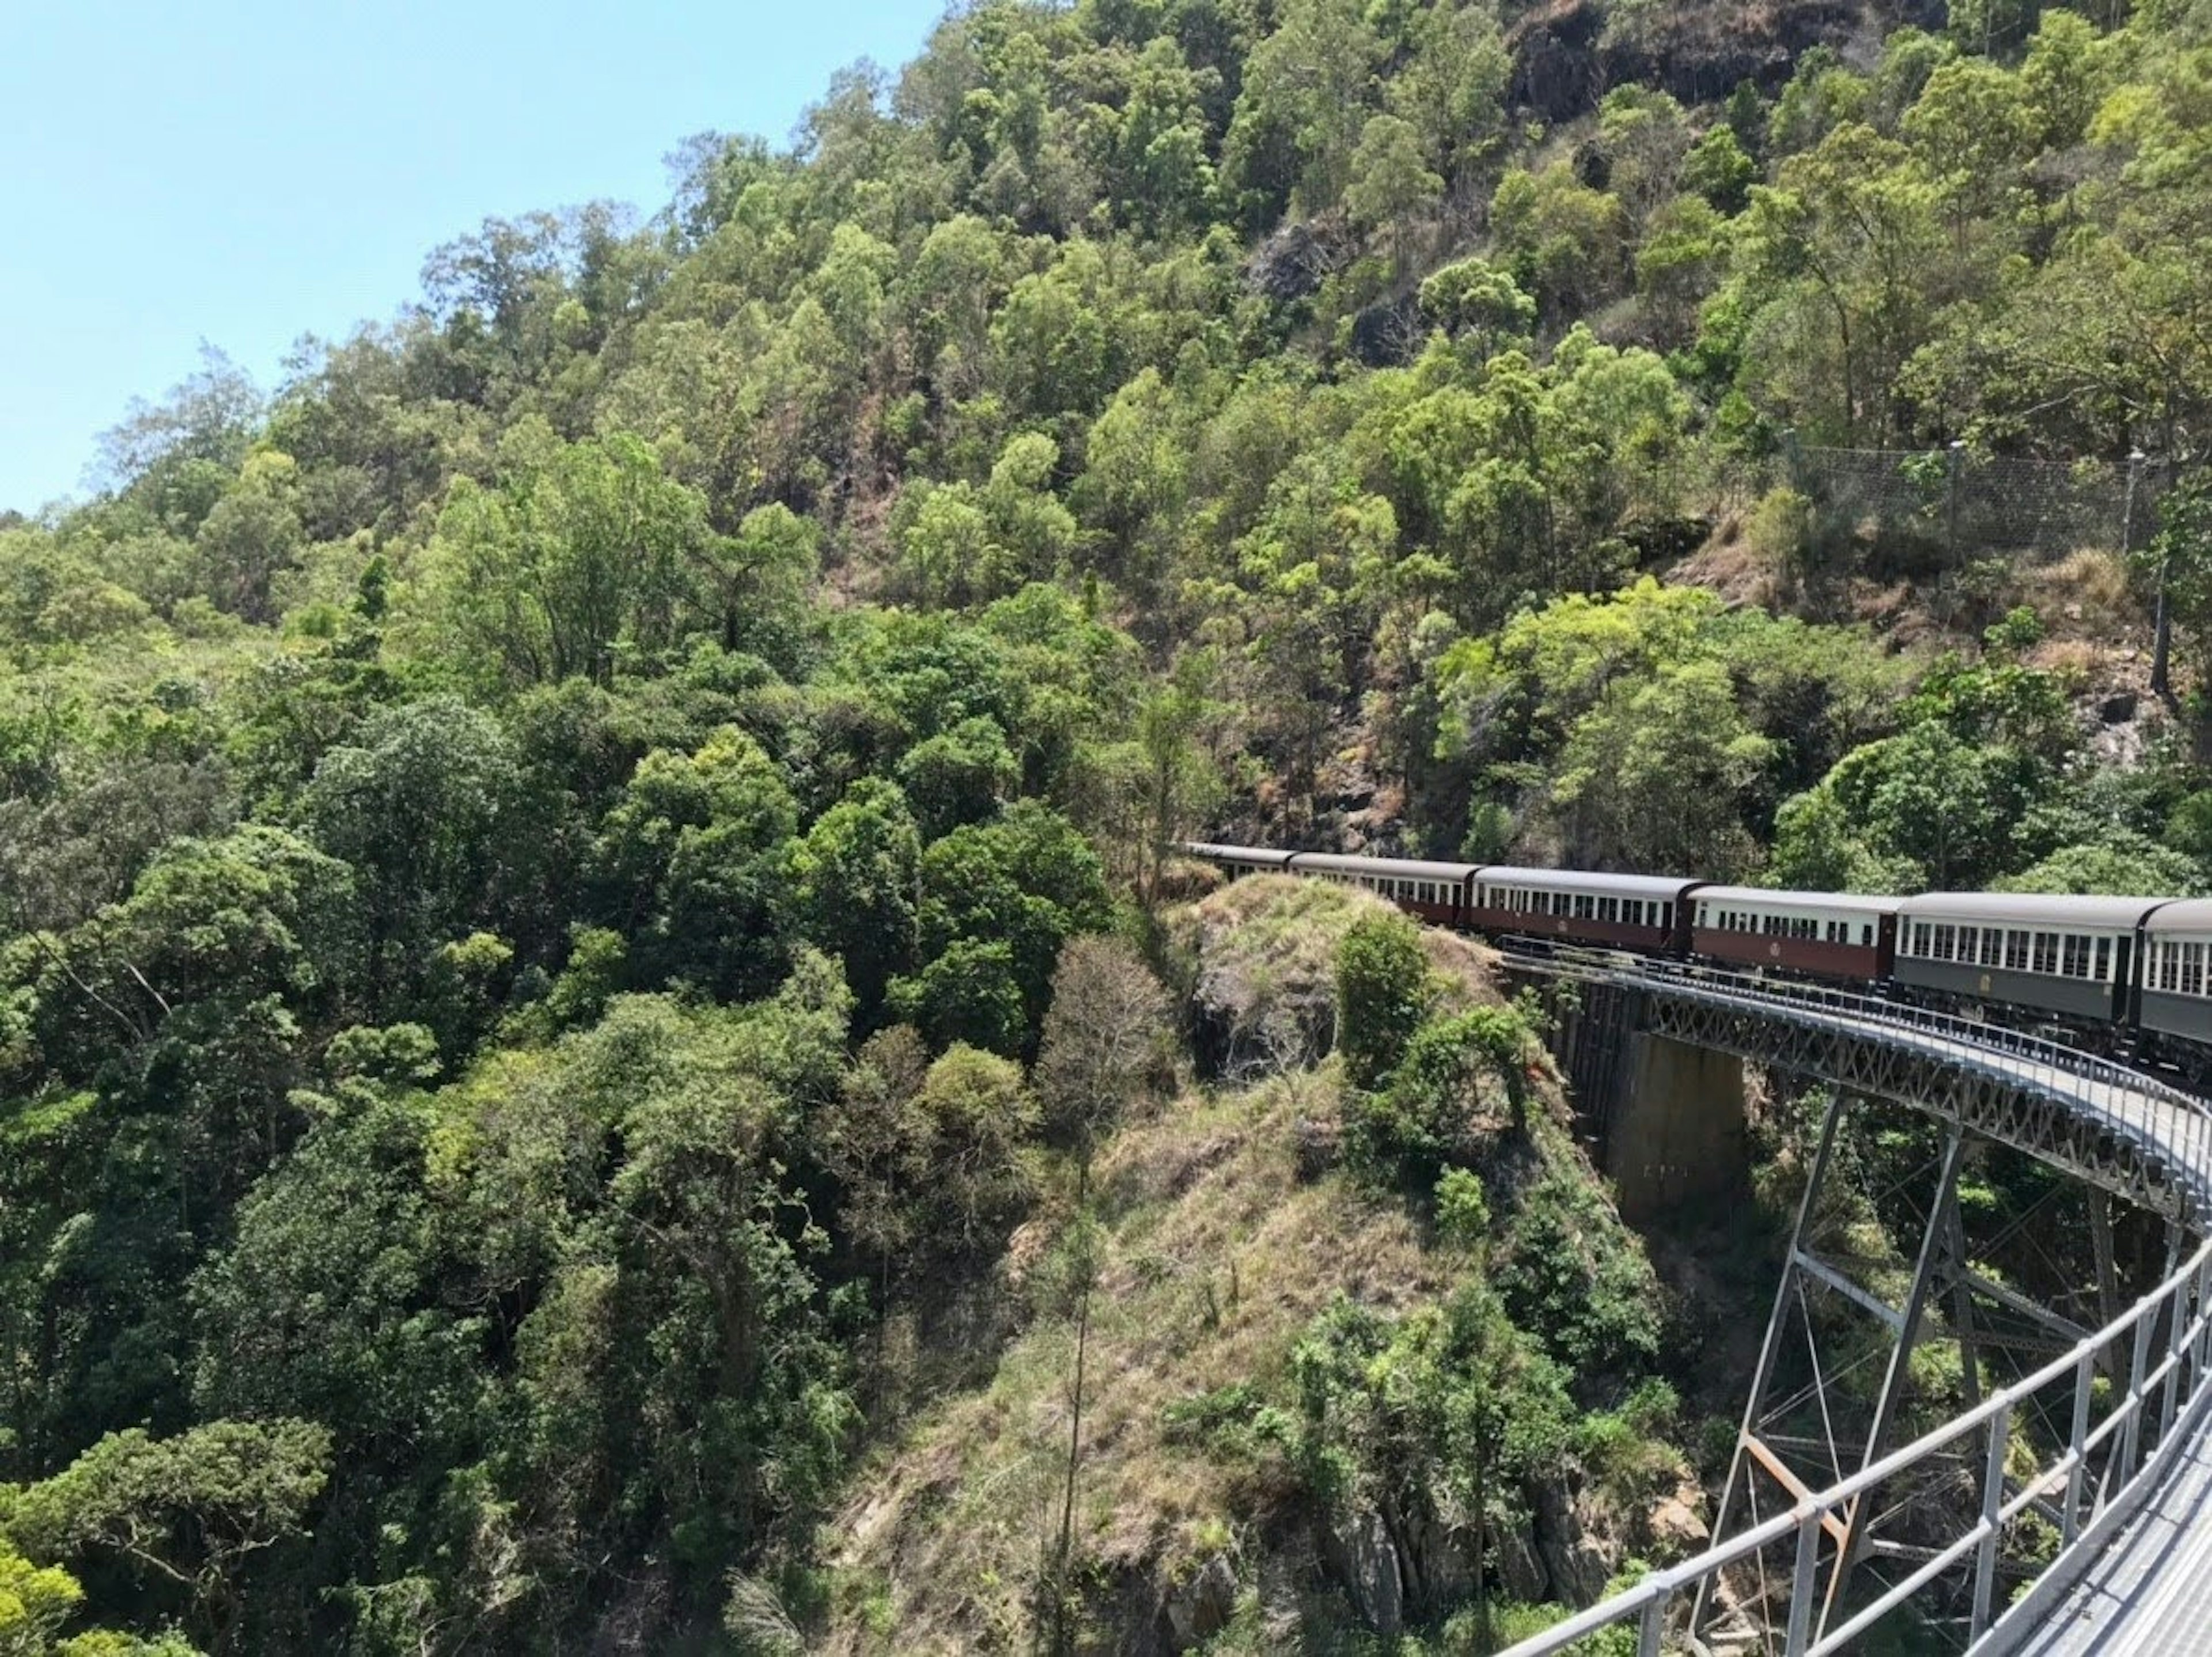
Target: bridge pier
[1678,1133]
[1664,1119]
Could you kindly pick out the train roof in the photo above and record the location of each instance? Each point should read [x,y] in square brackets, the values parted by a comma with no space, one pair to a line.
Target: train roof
[1667,888]
[2032,909]
[1859,902]
[2187,915]
[1259,854]
[1382,868]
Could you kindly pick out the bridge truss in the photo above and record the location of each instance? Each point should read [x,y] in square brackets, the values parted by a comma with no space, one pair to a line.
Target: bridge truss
[1825,1530]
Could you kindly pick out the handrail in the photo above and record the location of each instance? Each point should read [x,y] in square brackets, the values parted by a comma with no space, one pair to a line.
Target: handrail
[2183,1302]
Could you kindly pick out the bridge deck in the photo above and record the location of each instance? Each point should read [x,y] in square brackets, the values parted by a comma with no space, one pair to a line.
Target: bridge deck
[2149,1592]
[2147,1589]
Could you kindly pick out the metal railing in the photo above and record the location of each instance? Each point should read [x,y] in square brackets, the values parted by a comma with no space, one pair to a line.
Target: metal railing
[2124,1448]
[2111,1456]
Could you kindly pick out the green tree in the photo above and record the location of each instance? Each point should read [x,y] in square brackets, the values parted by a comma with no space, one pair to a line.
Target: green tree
[1384,992]
[580,555]
[184,1515]
[856,879]
[690,858]
[1389,185]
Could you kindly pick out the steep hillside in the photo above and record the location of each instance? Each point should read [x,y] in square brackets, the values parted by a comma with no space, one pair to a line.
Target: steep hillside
[1231,1487]
[585,964]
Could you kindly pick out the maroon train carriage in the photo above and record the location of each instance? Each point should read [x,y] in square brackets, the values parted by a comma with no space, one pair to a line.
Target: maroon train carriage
[1650,914]
[1436,892]
[1840,935]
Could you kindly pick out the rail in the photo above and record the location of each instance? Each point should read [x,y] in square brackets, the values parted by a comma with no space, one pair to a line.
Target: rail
[2115,1446]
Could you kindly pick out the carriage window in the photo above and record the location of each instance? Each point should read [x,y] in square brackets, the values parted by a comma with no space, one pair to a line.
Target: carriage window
[1992,946]
[2015,957]
[2046,953]
[2105,960]
[2078,955]
[2192,970]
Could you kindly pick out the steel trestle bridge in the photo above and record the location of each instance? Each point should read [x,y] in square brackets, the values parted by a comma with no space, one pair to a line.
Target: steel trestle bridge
[2068,1511]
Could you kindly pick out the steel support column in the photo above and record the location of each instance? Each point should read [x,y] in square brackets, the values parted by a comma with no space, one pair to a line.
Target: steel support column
[1934,1244]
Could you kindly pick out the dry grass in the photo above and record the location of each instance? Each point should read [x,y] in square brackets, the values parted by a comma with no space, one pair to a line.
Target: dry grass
[1217,1260]
[1732,564]
[2085,595]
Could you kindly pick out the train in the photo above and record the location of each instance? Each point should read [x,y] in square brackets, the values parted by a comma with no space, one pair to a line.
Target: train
[2128,975]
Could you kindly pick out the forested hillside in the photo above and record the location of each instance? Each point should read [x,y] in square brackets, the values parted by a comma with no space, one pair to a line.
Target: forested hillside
[587,880]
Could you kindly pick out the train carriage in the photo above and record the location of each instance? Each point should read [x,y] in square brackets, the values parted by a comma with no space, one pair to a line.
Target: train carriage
[1436,892]
[1240,860]
[2177,970]
[1827,934]
[1648,913]
[2067,955]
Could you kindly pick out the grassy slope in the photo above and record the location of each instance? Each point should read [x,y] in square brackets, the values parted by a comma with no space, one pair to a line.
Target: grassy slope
[1218,1254]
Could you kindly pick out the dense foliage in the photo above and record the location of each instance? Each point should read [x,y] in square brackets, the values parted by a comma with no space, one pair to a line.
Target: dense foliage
[537,857]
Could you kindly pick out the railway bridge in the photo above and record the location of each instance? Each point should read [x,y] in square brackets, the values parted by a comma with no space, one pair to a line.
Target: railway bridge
[2069,1510]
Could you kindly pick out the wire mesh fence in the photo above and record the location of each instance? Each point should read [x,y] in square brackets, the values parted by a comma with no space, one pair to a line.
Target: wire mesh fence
[1955,501]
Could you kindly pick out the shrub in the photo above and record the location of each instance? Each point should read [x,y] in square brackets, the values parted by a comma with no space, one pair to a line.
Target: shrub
[1382,993]
[1575,1275]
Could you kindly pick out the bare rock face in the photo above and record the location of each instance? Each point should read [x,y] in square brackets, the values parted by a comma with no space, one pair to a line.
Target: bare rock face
[1386,334]
[1201,1607]
[1673,1529]
[1361,1554]
[1319,1146]
[1577,1564]
[1292,263]
[1520,1571]
[1565,58]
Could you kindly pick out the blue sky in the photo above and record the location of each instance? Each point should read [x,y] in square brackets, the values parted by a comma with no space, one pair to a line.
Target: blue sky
[244,172]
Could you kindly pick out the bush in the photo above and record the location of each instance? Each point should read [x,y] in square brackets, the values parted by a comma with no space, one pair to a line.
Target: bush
[1382,993]
[1577,1276]
[1432,1113]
